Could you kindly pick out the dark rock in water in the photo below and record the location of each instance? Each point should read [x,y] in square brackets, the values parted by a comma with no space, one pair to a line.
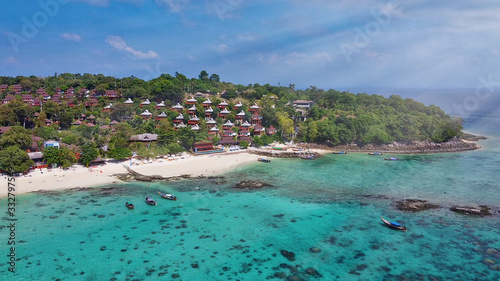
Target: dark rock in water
[280,275]
[175,275]
[292,268]
[315,250]
[472,211]
[195,265]
[294,278]
[414,205]
[103,248]
[279,216]
[288,255]
[361,267]
[246,184]
[331,240]
[313,272]
[359,255]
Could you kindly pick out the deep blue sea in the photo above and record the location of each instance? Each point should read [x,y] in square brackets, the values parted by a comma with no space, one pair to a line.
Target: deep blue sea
[214,232]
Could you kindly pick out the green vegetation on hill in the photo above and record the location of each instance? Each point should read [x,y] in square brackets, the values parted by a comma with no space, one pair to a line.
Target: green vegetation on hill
[334,118]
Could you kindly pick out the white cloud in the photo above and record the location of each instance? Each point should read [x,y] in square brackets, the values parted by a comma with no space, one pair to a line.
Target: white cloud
[247,37]
[174,5]
[71,37]
[268,58]
[221,49]
[11,60]
[118,43]
[191,57]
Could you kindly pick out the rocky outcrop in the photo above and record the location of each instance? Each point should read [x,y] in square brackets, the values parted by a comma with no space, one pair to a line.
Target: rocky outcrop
[288,255]
[247,184]
[414,205]
[480,211]
[410,147]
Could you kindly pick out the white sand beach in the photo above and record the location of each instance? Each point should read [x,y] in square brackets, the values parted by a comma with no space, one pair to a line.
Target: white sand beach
[208,165]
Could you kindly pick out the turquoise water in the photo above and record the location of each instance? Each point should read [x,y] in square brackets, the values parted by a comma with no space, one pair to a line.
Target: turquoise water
[214,232]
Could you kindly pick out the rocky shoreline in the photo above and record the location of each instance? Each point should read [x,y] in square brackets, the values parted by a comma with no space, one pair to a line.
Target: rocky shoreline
[413,147]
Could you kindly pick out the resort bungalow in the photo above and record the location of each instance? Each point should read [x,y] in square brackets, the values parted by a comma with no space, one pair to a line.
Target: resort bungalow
[178,107]
[51,143]
[195,127]
[256,119]
[180,125]
[254,109]
[223,104]
[303,104]
[191,101]
[245,125]
[271,131]
[228,133]
[208,113]
[207,103]
[93,102]
[145,103]
[211,122]
[113,123]
[192,110]
[179,119]
[258,130]
[3,87]
[213,131]
[128,102]
[223,113]
[238,105]
[161,116]
[8,99]
[107,108]
[160,105]
[228,125]
[227,141]
[111,94]
[144,137]
[203,146]
[194,120]
[40,91]
[240,116]
[146,114]
[77,123]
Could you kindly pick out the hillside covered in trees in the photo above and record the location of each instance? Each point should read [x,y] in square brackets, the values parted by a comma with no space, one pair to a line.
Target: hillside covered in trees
[58,108]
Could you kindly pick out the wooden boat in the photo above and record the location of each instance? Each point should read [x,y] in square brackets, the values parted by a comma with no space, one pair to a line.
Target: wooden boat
[391,159]
[150,201]
[339,152]
[129,205]
[308,157]
[375,153]
[167,196]
[265,160]
[394,225]
[277,148]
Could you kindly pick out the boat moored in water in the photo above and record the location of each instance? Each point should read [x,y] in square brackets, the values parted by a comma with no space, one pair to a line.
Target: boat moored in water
[339,152]
[168,196]
[391,159]
[308,157]
[375,153]
[393,225]
[129,205]
[150,201]
[265,160]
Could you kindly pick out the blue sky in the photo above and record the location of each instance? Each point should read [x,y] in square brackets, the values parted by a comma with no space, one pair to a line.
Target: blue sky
[329,44]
